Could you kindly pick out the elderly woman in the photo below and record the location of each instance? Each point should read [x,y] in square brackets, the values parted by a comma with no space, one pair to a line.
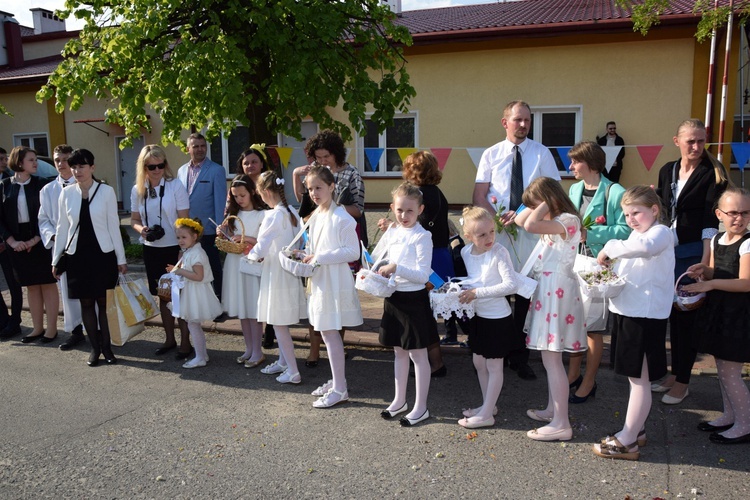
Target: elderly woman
[89,248]
[19,227]
[594,196]
[157,200]
[690,188]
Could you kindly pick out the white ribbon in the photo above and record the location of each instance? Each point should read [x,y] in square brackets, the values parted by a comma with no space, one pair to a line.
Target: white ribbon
[178,283]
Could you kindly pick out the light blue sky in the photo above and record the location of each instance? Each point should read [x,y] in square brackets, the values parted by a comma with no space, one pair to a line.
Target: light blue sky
[20,8]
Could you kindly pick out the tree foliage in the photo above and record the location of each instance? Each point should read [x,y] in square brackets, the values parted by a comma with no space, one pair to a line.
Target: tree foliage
[211,63]
[645,14]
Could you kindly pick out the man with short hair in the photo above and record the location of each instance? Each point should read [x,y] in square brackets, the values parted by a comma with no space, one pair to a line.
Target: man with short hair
[49,213]
[612,139]
[10,325]
[504,171]
[206,184]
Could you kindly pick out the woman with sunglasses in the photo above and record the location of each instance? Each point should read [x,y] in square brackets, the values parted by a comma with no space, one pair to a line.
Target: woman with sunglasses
[157,200]
[689,188]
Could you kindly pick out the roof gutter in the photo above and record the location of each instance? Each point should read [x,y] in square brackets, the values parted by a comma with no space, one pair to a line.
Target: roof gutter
[549,29]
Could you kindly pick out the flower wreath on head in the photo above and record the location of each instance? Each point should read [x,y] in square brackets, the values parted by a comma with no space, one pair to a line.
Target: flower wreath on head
[194,225]
[260,148]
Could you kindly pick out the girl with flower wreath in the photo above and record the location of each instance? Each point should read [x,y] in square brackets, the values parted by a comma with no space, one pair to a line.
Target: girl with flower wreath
[555,323]
[198,302]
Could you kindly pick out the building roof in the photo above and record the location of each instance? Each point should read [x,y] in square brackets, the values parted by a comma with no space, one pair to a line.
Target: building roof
[527,15]
[30,70]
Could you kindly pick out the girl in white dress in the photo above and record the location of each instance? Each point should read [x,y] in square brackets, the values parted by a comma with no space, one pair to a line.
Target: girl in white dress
[555,323]
[281,301]
[333,302]
[198,301]
[239,295]
[408,325]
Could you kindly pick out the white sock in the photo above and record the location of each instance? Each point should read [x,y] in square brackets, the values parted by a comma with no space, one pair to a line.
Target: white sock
[639,406]
[198,337]
[557,381]
[422,375]
[401,377]
[286,347]
[730,374]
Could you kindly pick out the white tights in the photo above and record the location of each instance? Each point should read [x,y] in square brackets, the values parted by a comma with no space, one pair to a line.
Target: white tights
[558,392]
[639,406]
[736,397]
[252,331]
[198,337]
[286,348]
[422,374]
[336,358]
[490,375]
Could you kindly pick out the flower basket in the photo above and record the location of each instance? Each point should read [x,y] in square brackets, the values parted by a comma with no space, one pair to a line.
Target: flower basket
[602,283]
[686,301]
[164,289]
[292,263]
[369,281]
[229,246]
[444,302]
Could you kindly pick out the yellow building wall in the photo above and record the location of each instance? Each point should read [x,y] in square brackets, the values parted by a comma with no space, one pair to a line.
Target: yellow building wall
[29,117]
[45,48]
[647,85]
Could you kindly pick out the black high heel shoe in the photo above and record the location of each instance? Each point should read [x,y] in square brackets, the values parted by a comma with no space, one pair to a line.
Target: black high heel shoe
[576,383]
[94,358]
[573,399]
[110,358]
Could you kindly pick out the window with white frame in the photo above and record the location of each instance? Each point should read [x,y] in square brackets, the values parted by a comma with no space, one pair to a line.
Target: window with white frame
[402,134]
[38,142]
[556,126]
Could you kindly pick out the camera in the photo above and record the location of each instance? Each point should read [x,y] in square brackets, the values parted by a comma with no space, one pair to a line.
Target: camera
[155,232]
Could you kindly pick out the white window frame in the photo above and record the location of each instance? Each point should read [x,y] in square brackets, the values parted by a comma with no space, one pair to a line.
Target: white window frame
[17,138]
[538,113]
[382,167]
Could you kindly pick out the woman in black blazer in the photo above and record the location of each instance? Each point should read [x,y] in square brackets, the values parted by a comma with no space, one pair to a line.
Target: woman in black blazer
[690,188]
[19,227]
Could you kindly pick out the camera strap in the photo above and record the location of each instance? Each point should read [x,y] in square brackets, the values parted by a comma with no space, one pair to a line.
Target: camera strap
[145,205]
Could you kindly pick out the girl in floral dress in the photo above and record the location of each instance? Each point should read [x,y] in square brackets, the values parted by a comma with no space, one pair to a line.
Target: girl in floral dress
[555,323]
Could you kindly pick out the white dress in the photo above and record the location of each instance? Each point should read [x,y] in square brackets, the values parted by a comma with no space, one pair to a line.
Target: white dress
[282,299]
[556,321]
[198,301]
[239,291]
[333,302]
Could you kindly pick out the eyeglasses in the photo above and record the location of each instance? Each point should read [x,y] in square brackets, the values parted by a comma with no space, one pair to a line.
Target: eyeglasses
[160,166]
[744,214]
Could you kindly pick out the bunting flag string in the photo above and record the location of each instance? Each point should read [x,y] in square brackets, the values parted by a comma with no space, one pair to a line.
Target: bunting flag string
[404,152]
[281,156]
[611,153]
[373,156]
[649,154]
[285,154]
[741,152]
[476,154]
[563,152]
[442,155]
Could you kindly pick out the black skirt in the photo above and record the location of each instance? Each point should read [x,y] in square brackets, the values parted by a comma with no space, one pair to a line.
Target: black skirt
[491,338]
[34,267]
[637,337]
[407,321]
[91,272]
[156,260]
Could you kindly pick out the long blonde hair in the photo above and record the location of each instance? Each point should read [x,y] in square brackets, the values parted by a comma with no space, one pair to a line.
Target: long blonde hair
[141,174]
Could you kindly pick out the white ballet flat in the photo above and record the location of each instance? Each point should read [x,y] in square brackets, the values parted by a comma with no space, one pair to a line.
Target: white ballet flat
[331,398]
[273,368]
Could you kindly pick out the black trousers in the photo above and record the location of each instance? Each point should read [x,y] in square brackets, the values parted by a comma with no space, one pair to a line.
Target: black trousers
[16,295]
[519,355]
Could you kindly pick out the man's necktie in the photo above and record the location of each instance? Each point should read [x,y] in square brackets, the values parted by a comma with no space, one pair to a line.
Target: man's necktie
[516,179]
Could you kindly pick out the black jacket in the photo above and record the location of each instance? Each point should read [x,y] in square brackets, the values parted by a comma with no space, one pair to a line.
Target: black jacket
[9,205]
[697,201]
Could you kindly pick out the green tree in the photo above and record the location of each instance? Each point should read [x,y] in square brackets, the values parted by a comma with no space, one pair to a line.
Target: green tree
[646,14]
[211,63]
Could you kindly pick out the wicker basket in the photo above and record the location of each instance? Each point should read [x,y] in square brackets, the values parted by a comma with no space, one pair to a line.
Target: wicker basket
[230,246]
[369,281]
[164,290]
[686,301]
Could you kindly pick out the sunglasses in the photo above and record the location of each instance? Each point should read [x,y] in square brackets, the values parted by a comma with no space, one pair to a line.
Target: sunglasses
[160,166]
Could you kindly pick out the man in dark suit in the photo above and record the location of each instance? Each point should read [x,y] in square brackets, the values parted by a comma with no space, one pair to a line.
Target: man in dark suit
[10,324]
[612,139]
